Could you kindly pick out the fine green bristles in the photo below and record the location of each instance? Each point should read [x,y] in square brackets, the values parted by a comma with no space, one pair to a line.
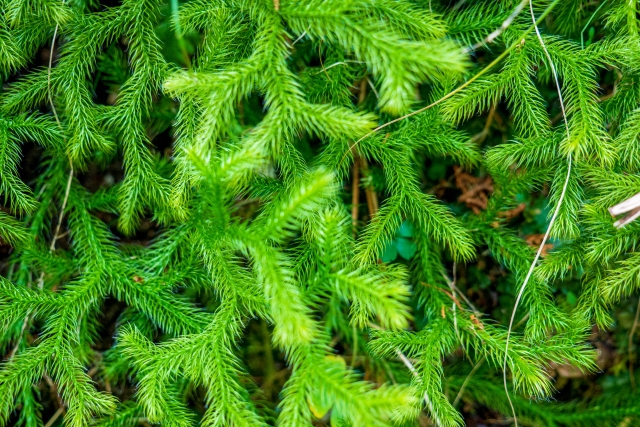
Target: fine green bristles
[318,213]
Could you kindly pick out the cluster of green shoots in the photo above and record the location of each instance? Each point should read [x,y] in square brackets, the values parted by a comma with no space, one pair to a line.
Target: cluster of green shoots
[277,114]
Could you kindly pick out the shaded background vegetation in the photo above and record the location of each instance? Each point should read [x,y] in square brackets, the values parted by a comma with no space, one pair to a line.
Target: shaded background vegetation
[487,285]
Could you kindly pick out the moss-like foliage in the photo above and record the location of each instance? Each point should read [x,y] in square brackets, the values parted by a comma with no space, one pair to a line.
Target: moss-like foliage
[184,229]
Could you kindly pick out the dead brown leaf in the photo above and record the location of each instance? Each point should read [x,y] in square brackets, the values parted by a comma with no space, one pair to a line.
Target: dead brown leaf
[475,190]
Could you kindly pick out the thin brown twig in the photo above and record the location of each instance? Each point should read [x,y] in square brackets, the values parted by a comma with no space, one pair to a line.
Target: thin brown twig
[355,189]
[362,94]
[54,391]
[91,372]
[62,208]
[482,135]
[447,293]
[60,236]
[54,417]
[614,91]
[355,196]
[452,284]
[370,193]
[466,300]
[556,118]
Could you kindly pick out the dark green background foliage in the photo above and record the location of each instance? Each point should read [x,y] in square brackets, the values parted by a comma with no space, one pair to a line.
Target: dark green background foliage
[189,234]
